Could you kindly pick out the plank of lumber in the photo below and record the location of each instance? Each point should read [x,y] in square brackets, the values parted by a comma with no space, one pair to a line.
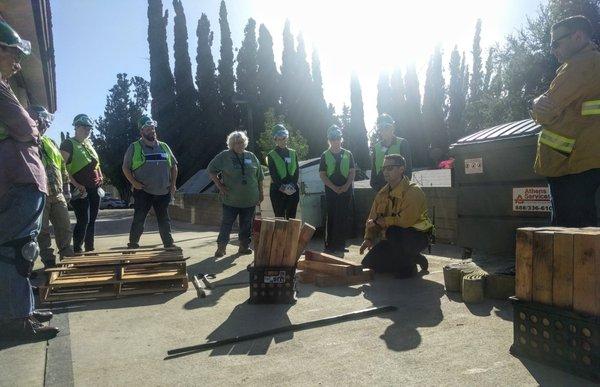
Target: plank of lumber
[562,276]
[278,244]
[326,268]
[306,277]
[328,258]
[266,237]
[256,235]
[306,234]
[524,264]
[543,251]
[324,280]
[586,270]
[292,236]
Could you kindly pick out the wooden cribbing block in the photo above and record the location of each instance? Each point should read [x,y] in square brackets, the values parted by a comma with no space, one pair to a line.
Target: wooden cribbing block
[562,273]
[326,268]
[328,258]
[293,234]
[543,251]
[264,241]
[306,277]
[324,280]
[256,234]
[306,234]
[278,244]
[524,264]
[586,270]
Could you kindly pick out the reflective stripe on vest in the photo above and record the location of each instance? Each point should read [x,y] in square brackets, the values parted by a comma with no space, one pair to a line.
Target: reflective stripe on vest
[51,153]
[284,169]
[424,223]
[344,163]
[139,158]
[380,153]
[83,154]
[590,108]
[556,141]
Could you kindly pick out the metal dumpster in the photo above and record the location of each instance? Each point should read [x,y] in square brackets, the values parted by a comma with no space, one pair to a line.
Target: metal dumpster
[497,188]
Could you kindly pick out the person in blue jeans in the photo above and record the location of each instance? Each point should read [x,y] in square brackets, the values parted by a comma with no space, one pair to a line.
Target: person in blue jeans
[23,189]
[239,177]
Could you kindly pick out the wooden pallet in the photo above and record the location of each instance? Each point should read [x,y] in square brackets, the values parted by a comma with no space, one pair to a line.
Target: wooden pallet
[114,274]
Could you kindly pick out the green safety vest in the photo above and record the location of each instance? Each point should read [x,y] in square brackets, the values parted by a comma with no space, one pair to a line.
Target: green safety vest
[344,164]
[51,153]
[83,154]
[139,158]
[380,153]
[284,169]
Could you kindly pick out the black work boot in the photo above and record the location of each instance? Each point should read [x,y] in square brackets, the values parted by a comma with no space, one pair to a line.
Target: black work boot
[244,250]
[421,260]
[221,250]
[29,330]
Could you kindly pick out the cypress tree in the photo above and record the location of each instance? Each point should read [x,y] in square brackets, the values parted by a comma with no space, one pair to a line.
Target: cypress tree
[267,75]
[357,135]
[412,121]
[208,94]
[474,106]
[456,97]
[318,118]
[246,72]
[288,69]
[384,94]
[433,109]
[186,95]
[226,80]
[162,85]
[398,101]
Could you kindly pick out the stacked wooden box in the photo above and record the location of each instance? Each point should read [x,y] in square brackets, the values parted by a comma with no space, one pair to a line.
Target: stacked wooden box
[559,267]
[328,270]
[113,274]
[279,242]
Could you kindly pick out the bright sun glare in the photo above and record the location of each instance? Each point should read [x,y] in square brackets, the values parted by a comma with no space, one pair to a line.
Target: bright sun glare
[367,37]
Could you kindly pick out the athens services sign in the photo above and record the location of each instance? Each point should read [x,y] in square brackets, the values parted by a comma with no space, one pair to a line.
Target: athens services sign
[531,199]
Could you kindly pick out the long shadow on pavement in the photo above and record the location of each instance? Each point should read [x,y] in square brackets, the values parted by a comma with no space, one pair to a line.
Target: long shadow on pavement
[419,305]
[248,318]
[501,308]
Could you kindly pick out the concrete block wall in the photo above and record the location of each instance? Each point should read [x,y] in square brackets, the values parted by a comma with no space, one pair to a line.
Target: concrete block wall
[206,209]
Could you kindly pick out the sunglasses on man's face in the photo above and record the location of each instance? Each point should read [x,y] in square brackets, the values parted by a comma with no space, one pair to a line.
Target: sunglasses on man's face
[390,167]
[556,43]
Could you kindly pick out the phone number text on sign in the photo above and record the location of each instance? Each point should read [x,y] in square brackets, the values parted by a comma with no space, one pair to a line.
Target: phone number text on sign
[531,199]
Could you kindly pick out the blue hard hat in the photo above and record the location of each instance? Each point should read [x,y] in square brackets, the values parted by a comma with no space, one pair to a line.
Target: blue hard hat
[334,133]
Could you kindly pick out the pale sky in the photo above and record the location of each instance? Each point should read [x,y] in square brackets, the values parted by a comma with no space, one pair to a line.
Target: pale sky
[96,39]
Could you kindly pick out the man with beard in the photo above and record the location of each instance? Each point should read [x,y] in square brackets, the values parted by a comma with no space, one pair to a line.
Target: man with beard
[151,168]
[398,227]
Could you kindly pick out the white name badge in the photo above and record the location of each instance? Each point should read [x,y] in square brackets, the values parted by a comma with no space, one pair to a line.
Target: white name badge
[288,160]
[247,161]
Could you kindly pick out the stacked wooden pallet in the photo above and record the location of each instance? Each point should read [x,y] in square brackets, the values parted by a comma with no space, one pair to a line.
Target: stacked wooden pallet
[560,267]
[327,270]
[112,274]
[280,242]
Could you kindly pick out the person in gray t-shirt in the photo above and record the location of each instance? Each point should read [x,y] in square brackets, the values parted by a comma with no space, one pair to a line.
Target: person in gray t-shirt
[151,168]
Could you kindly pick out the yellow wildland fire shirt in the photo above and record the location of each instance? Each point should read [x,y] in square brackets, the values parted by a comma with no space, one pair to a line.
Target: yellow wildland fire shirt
[570,140]
[404,206]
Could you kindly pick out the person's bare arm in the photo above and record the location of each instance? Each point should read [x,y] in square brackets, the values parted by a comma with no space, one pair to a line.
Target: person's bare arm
[222,188]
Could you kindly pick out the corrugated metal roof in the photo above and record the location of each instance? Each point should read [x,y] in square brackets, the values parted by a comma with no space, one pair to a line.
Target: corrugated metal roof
[504,131]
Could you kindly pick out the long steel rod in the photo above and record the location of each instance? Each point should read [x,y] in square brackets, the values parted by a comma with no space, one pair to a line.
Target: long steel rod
[173,353]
